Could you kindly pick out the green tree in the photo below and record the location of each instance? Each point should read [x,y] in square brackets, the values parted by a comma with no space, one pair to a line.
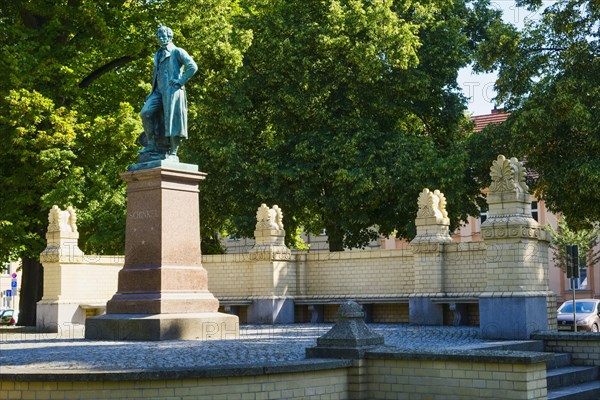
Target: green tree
[549,78]
[342,112]
[563,236]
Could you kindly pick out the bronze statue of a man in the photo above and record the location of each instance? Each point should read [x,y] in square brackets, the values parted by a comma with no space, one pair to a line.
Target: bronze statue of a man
[164,115]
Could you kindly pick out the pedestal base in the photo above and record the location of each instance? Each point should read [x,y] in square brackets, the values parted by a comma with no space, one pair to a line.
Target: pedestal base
[512,318]
[193,326]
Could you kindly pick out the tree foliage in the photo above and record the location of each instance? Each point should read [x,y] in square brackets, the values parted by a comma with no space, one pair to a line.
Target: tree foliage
[585,239]
[549,78]
[341,113]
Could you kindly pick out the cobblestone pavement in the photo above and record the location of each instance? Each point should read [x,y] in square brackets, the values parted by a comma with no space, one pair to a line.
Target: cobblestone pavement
[22,351]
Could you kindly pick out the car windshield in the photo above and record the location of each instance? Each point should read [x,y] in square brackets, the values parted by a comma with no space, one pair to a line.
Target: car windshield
[580,307]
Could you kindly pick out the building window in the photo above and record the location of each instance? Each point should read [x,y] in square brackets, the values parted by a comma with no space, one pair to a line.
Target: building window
[483,215]
[581,283]
[534,210]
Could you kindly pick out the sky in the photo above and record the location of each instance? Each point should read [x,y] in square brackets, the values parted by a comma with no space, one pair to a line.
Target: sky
[479,88]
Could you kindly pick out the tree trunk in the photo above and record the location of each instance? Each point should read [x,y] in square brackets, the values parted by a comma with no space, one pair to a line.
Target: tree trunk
[335,237]
[32,287]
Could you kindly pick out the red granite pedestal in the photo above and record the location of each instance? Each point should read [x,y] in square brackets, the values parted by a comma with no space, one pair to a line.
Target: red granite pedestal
[163,288]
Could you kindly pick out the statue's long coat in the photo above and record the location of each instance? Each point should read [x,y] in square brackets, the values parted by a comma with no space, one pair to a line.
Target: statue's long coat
[175,63]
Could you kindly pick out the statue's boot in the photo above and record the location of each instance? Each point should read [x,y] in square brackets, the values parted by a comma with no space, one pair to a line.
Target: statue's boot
[150,146]
[172,154]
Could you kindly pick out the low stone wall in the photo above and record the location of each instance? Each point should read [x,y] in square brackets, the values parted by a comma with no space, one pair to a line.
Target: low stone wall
[318,277]
[381,375]
[584,347]
[483,375]
[465,267]
[328,381]
[229,275]
[359,273]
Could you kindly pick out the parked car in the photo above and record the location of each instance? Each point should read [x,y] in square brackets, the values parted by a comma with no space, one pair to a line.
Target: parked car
[587,313]
[7,317]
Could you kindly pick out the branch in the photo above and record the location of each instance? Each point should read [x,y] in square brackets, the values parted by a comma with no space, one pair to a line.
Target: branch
[31,20]
[119,62]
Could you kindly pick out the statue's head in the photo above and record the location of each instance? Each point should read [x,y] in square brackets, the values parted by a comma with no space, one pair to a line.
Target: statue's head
[164,34]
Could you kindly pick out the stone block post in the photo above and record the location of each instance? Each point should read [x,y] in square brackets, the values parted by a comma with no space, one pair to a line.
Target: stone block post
[428,252]
[73,282]
[61,250]
[274,275]
[350,338]
[514,303]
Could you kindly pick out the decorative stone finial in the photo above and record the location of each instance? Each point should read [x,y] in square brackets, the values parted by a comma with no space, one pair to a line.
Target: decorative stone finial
[62,236]
[277,217]
[509,203]
[62,221]
[432,204]
[508,176]
[270,219]
[350,337]
[269,235]
[432,222]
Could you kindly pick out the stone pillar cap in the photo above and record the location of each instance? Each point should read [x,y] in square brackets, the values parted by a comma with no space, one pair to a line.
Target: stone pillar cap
[350,337]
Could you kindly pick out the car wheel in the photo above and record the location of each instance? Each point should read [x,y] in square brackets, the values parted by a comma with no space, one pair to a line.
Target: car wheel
[595,328]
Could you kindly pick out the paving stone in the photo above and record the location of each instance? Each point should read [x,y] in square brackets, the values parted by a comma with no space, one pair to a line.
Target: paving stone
[259,345]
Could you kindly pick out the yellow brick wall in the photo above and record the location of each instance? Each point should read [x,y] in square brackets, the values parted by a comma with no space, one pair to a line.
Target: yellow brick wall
[326,384]
[92,281]
[351,273]
[583,351]
[368,272]
[229,274]
[450,380]
[517,265]
[465,267]
[322,274]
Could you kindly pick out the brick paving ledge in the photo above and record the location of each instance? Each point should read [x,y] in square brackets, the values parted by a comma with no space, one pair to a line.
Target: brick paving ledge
[157,374]
[551,335]
[482,356]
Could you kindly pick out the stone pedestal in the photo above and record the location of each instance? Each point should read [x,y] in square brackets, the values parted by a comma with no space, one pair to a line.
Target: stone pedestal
[163,288]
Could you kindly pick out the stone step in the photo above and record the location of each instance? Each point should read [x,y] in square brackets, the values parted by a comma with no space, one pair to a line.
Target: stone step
[572,375]
[559,360]
[583,391]
[517,345]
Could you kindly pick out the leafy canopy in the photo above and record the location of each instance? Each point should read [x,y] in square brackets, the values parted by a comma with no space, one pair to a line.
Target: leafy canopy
[341,113]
